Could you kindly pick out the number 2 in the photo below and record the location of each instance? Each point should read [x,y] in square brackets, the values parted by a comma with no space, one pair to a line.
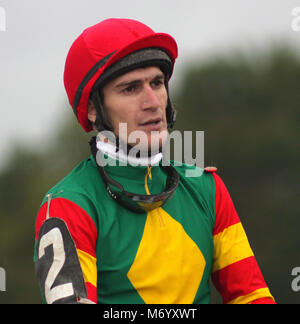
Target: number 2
[54,238]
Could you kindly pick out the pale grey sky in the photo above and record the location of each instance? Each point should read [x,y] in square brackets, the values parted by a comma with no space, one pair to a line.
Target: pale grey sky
[38,35]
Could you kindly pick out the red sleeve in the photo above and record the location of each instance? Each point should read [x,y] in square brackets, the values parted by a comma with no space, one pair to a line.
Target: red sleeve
[84,233]
[236,274]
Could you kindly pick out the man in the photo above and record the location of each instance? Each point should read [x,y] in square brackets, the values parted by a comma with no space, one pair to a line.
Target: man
[138,232]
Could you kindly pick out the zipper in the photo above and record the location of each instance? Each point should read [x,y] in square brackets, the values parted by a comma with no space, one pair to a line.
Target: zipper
[157,210]
[148,174]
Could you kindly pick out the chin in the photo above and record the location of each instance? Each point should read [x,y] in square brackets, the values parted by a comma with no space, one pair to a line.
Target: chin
[148,142]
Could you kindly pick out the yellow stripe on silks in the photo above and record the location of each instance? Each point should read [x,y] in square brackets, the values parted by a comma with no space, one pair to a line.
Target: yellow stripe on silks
[247,299]
[230,246]
[168,266]
[88,266]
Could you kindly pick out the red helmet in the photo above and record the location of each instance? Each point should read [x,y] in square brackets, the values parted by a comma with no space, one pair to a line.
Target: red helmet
[97,48]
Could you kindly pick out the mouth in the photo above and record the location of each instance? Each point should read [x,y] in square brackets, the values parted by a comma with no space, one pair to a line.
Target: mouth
[151,122]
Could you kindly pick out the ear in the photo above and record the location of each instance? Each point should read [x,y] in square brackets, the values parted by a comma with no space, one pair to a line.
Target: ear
[91,112]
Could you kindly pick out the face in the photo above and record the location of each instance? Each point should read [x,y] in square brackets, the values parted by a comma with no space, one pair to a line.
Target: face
[139,99]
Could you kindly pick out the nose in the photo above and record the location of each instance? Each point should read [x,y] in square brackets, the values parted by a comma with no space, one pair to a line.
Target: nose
[149,99]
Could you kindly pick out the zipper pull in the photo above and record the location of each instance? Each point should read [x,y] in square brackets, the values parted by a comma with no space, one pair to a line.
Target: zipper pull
[148,174]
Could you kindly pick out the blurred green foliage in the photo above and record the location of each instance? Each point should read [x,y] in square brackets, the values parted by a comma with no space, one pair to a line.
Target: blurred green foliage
[249,110]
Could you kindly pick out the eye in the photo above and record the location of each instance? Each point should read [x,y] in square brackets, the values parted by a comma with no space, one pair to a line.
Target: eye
[130,88]
[158,82]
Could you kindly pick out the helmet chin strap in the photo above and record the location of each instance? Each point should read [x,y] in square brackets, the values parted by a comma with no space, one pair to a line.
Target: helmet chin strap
[101,123]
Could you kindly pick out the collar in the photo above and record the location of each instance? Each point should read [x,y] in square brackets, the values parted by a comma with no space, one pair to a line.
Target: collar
[112,152]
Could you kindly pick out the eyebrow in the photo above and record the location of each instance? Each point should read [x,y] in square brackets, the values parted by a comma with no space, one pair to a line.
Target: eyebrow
[138,81]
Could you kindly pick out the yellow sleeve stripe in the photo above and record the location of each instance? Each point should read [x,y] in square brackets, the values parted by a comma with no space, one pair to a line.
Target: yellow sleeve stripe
[88,266]
[230,246]
[254,295]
